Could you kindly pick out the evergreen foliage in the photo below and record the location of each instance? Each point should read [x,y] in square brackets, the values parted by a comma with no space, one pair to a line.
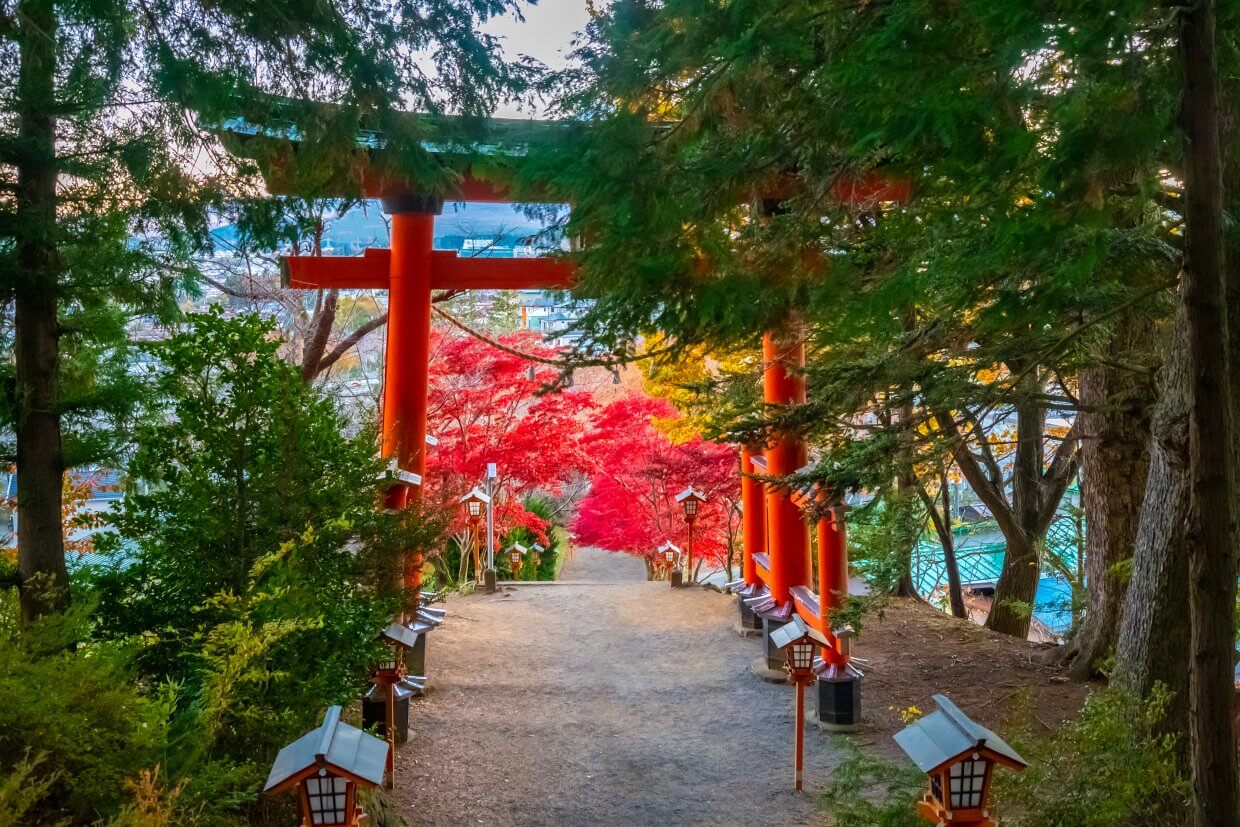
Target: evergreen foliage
[252,573]
[740,168]
[235,459]
[108,171]
[74,727]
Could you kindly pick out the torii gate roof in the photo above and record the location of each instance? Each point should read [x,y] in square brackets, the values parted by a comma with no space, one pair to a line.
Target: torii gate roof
[474,159]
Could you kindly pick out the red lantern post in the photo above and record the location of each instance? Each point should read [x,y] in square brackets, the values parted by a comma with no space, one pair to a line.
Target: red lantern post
[475,502]
[798,641]
[690,500]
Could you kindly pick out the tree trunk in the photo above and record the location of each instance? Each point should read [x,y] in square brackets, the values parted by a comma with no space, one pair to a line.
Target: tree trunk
[1115,433]
[906,484]
[1153,639]
[1017,587]
[1212,572]
[955,593]
[36,347]
[315,345]
[942,523]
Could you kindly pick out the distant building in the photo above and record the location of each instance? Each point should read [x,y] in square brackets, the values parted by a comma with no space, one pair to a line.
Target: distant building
[550,315]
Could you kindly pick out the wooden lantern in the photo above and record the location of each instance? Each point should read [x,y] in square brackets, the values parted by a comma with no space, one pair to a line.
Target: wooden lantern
[516,554]
[475,503]
[398,637]
[959,756]
[690,499]
[327,766]
[799,641]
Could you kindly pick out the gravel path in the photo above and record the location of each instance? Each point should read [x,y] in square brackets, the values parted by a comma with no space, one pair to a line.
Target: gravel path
[606,700]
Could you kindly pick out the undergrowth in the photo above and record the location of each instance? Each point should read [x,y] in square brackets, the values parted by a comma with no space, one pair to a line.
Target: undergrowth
[1112,766]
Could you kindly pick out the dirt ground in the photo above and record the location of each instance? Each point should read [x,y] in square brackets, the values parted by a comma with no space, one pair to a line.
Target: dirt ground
[915,651]
[609,700]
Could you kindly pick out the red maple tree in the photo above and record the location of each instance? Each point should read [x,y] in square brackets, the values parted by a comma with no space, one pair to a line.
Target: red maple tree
[637,473]
[487,405]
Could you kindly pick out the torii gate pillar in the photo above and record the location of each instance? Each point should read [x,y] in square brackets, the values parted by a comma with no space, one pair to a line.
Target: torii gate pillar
[783,383]
[407,368]
[753,534]
[407,353]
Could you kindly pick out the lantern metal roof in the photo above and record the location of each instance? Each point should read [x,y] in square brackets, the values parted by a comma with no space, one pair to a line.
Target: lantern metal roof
[476,494]
[690,492]
[407,477]
[742,589]
[400,690]
[334,746]
[539,547]
[670,545]
[794,630]
[403,635]
[420,626]
[517,547]
[764,605]
[435,619]
[947,734]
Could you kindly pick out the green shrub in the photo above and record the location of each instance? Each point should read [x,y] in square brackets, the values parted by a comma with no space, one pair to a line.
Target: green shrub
[543,508]
[1108,767]
[867,790]
[260,570]
[73,726]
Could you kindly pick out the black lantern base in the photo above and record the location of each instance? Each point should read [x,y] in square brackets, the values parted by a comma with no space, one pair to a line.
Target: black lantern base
[837,702]
[374,714]
[676,578]
[488,581]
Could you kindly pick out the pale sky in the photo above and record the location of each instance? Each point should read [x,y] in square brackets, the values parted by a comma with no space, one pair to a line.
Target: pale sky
[546,35]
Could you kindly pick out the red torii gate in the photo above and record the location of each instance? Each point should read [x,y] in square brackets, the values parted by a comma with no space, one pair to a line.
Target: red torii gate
[776,564]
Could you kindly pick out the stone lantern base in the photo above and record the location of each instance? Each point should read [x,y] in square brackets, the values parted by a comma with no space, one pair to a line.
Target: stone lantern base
[837,701]
[415,657]
[750,624]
